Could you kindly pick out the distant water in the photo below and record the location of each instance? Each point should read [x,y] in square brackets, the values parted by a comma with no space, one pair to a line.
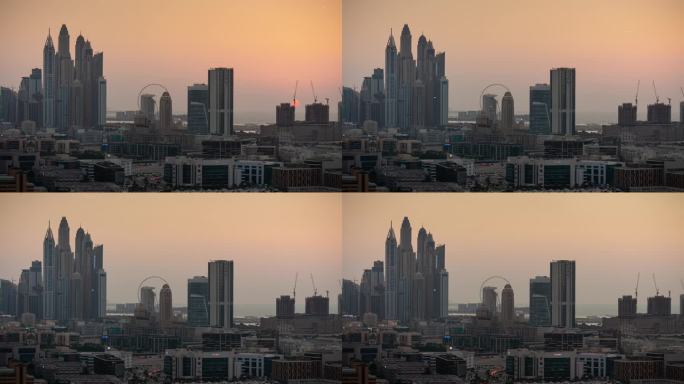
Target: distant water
[262,310]
[265,310]
[583,310]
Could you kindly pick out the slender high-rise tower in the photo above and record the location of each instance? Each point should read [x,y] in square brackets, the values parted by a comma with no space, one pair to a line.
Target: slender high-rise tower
[391,275]
[507,304]
[441,91]
[563,293]
[49,83]
[406,273]
[165,305]
[407,78]
[98,293]
[507,112]
[65,77]
[221,293]
[165,112]
[391,83]
[100,113]
[221,101]
[443,293]
[63,309]
[98,89]
[49,275]
[79,59]
[429,74]
[563,101]
[101,293]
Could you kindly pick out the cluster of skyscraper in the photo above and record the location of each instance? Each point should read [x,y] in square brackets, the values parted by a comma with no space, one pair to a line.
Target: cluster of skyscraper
[552,299]
[552,108]
[210,107]
[73,285]
[415,93]
[74,91]
[210,300]
[409,286]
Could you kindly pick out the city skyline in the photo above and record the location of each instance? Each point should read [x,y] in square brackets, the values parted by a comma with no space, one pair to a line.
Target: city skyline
[465,244]
[126,242]
[307,33]
[623,44]
[490,232]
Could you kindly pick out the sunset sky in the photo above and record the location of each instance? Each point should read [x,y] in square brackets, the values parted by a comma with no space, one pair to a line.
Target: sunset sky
[273,43]
[612,237]
[273,236]
[269,43]
[270,237]
[611,43]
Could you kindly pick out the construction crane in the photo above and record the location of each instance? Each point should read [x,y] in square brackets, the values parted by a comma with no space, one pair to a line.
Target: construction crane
[636,97]
[682,283]
[314,92]
[294,289]
[314,285]
[294,96]
[636,289]
[682,89]
[656,285]
[656,93]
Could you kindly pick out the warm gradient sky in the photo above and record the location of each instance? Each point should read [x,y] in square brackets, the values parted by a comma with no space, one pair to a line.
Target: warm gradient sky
[611,43]
[272,236]
[269,43]
[612,237]
[269,236]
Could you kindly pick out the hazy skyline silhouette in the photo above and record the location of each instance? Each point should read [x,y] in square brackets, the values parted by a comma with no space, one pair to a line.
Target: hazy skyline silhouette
[612,44]
[612,237]
[270,237]
[270,44]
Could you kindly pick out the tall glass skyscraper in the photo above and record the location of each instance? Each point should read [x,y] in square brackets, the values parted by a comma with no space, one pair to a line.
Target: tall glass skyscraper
[563,101]
[221,101]
[198,297]
[540,301]
[221,293]
[540,109]
[563,293]
[198,107]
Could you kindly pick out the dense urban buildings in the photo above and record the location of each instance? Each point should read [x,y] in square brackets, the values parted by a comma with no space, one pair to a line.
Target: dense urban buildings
[408,286]
[397,317]
[396,132]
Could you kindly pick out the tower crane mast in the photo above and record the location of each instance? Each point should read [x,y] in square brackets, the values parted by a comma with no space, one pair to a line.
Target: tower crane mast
[314,92]
[294,96]
[636,289]
[314,286]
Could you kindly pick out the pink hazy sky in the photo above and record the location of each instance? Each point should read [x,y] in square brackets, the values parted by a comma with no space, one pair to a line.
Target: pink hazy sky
[612,237]
[269,43]
[273,236]
[611,43]
[270,237]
